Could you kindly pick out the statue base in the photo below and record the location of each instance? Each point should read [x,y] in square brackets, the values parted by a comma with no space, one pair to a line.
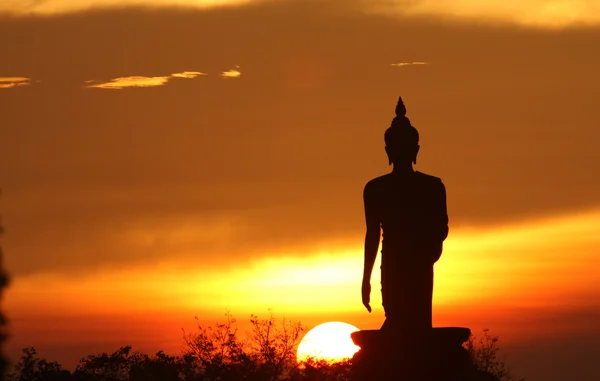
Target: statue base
[435,354]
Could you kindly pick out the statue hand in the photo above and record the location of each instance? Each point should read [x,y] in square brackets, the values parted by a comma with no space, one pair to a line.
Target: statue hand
[366,295]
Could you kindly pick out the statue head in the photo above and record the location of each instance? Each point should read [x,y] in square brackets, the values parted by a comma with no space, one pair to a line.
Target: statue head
[401,138]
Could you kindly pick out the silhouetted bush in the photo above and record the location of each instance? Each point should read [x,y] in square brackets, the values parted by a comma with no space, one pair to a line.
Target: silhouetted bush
[30,368]
[267,353]
[484,353]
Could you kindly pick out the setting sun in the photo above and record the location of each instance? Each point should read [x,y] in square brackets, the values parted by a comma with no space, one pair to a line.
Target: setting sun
[328,341]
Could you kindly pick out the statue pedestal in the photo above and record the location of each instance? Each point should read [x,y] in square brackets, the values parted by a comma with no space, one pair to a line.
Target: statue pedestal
[431,355]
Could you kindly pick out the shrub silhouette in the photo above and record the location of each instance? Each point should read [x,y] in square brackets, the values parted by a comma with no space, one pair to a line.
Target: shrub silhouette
[484,353]
[218,353]
[268,353]
[30,367]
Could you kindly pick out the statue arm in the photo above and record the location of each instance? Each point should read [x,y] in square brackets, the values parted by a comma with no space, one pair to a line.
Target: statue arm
[373,235]
[442,214]
[439,228]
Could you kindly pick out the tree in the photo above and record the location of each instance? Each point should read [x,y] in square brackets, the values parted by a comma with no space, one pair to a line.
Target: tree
[275,347]
[313,369]
[267,353]
[160,367]
[32,368]
[216,351]
[484,354]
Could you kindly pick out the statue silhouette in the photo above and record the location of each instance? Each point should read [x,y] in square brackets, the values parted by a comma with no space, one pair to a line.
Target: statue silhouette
[410,208]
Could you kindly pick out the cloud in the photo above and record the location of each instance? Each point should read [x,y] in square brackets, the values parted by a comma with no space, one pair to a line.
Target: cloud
[10,82]
[50,7]
[410,63]
[233,73]
[141,81]
[187,74]
[539,13]
[133,81]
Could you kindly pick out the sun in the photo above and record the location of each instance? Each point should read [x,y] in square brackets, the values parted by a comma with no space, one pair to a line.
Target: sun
[329,341]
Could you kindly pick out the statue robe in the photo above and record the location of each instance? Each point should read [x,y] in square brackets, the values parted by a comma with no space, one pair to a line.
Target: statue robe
[413,216]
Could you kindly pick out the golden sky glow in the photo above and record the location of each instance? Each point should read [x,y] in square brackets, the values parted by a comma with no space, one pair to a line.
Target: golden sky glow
[526,260]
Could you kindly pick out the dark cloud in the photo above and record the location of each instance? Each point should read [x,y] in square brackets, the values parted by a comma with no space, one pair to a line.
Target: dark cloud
[280,155]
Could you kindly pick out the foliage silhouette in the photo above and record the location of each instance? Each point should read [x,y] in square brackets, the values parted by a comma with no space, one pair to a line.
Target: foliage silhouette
[484,352]
[31,367]
[218,353]
[268,353]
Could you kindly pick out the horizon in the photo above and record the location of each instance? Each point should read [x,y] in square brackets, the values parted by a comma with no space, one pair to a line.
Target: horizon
[210,156]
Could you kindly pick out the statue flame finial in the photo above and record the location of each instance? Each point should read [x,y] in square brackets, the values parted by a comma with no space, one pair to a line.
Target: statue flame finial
[400,108]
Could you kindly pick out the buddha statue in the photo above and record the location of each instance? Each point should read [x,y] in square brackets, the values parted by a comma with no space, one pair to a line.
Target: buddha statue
[406,209]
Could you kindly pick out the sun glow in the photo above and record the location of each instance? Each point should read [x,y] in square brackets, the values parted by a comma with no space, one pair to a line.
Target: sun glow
[328,341]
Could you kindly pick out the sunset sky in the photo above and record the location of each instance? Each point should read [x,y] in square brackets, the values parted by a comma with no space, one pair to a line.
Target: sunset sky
[162,160]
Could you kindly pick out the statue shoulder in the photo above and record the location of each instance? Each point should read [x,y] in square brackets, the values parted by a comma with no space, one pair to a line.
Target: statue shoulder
[373,186]
[377,182]
[429,179]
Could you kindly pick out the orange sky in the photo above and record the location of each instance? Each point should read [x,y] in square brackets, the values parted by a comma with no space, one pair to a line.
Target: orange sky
[168,164]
